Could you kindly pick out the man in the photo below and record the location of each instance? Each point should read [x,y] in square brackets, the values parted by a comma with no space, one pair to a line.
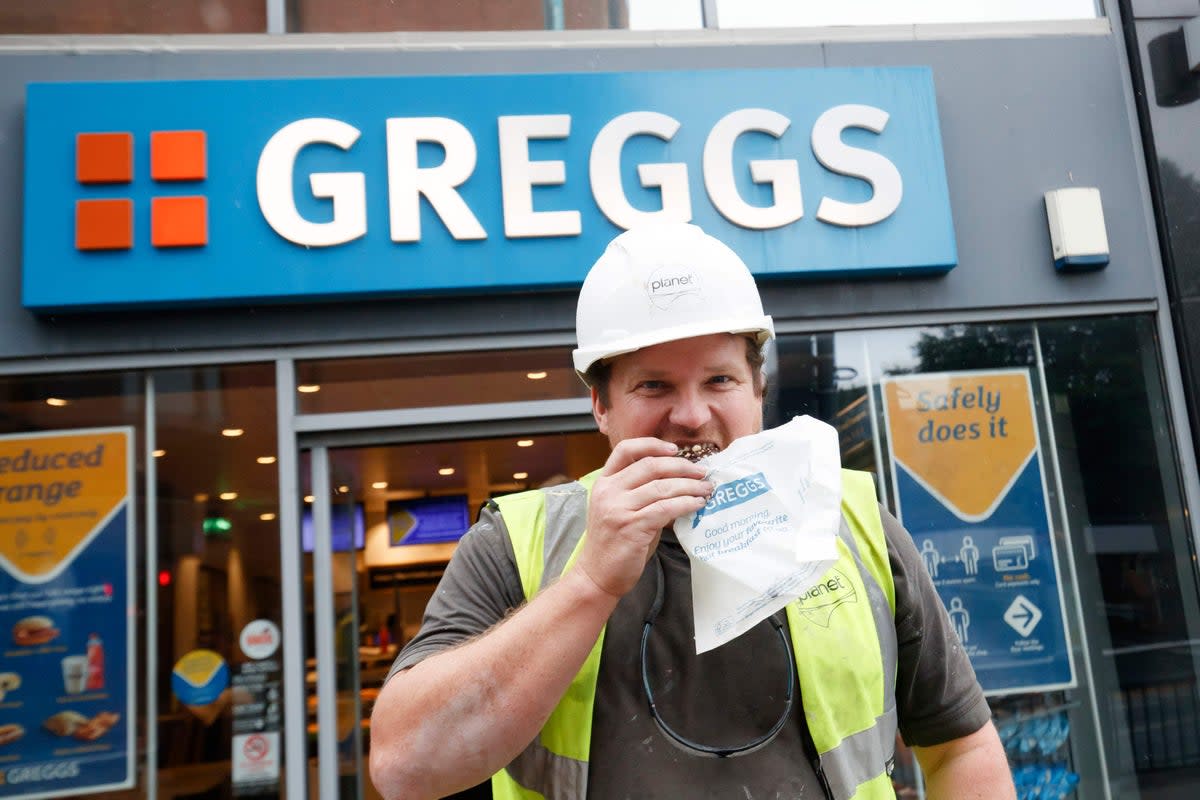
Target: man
[541,644]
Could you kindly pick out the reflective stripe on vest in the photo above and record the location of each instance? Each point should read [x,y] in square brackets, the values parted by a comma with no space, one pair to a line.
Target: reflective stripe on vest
[550,524]
[850,706]
[855,745]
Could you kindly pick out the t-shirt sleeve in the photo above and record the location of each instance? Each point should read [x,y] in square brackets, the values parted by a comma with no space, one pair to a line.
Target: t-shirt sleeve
[938,697]
[480,586]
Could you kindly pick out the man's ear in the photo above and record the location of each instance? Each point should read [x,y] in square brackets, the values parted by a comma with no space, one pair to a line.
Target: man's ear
[599,412]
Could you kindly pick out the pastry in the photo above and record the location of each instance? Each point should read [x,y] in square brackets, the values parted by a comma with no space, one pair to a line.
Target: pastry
[97,726]
[65,723]
[10,733]
[695,452]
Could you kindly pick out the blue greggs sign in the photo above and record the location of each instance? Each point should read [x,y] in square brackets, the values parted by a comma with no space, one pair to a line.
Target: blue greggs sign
[239,191]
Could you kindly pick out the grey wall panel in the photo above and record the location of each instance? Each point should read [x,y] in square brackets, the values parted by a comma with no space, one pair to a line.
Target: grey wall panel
[1018,116]
[1148,9]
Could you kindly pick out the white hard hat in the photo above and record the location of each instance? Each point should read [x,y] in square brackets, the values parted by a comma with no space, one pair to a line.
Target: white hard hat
[661,283]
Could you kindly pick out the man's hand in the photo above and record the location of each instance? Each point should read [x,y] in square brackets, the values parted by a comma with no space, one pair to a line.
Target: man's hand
[643,488]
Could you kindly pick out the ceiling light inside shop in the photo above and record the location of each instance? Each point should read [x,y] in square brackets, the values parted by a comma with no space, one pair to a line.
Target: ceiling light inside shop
[308,388]
[232,432]
[535,376]
[446,471]
[159,453]
[200,498]
[379,485]
[266,517]
[228,495]
[308,498]
[524,442]
[57,402]
[520,476]
[265,459]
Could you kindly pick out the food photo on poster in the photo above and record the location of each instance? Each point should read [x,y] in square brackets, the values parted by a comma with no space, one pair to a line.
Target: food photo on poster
[65,631]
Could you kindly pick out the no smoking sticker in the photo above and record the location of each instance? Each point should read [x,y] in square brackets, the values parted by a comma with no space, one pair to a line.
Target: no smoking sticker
[255,747]
[255,758]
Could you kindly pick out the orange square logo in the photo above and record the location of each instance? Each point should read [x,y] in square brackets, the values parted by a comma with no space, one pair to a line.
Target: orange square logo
[103,224]
[104,157]
[178,156]
[179,221]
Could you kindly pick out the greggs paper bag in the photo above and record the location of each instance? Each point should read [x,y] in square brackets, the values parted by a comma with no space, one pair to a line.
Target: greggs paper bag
[768,532]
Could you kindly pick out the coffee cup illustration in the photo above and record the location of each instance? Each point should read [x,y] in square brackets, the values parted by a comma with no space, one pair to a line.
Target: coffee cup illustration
[74,670]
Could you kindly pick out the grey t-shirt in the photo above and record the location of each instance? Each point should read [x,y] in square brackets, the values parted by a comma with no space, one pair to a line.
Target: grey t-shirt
[726,697]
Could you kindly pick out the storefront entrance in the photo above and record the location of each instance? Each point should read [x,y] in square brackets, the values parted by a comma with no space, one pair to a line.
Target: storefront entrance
[379,521]
[292,518]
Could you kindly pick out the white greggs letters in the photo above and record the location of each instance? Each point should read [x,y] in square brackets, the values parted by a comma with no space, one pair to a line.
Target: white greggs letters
[836,156]
[408,182]
[347,190]
[604,171]
[782,175]
[518,176]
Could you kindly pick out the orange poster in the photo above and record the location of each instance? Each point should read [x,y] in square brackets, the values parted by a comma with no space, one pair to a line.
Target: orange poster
[964,436]
[66,612]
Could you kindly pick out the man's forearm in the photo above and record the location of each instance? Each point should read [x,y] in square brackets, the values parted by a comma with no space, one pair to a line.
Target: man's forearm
[971,768]
[458,717]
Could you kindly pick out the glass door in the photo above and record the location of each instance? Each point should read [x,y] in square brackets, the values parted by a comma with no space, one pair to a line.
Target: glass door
[379,523]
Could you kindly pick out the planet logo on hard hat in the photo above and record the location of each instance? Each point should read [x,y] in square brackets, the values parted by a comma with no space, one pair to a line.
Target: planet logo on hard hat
[668,285]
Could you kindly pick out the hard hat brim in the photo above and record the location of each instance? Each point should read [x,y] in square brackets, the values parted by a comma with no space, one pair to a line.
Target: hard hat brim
[762,327]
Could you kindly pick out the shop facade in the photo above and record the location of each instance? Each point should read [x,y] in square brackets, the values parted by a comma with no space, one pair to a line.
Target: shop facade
[286,309]
[1161,65]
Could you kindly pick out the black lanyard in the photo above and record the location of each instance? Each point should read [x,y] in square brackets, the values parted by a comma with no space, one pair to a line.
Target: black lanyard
[694,747]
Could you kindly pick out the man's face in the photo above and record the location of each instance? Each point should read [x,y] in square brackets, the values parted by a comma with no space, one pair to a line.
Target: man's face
[692,391]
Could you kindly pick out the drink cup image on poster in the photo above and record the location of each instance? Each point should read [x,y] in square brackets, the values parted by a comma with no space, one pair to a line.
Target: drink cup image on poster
[66,626]
[970,485]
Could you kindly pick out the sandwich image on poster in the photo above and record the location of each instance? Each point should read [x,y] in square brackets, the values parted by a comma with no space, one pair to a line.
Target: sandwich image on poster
[35,630]
[66,629]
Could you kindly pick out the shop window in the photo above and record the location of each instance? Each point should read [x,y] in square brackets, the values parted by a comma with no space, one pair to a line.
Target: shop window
[335,16]
[1114,519]
[219,588]
[132,17]
[777,14]
[426,381]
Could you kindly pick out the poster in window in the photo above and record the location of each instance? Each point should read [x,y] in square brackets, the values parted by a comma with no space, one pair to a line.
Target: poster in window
[66,619]
[970,485]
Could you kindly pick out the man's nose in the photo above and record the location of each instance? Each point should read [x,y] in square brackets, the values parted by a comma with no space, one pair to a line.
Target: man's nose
[690,410]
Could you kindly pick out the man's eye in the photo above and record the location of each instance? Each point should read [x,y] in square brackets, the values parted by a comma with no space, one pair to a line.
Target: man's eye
[720,379]
[651,386]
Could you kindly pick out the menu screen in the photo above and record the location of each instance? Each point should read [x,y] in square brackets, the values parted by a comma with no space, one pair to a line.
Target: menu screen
[66,594]
[427,520]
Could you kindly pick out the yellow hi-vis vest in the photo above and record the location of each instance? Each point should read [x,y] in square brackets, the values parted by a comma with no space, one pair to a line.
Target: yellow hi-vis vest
[843,634]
